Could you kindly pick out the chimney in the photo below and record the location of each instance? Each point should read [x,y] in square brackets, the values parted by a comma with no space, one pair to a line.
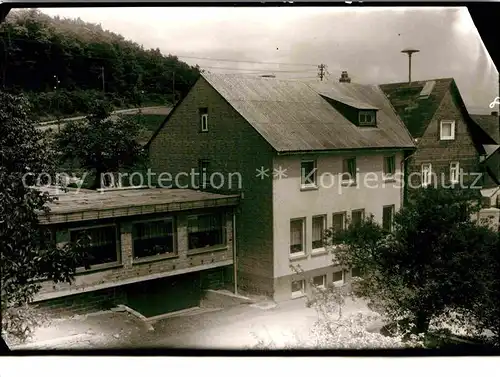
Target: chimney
[494,113]
[344,77]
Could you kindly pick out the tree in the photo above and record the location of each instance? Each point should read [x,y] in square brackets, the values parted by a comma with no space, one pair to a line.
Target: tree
[27,161]
[432,264]
[101,144]
[37,47]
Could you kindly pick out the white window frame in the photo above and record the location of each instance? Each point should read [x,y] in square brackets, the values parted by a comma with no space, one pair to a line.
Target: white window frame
[314,176]
[303,251]
[359,210]
[301,292]
[204,122]
[365,113]
[388,175]
[426,182]
[117,229]
[325,227]
[352,179]
[339,283]
[323,284]
[454,170]
[447,122]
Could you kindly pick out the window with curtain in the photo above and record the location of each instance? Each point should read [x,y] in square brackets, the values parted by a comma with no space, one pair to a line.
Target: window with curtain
[153,238]
[297,228]
[99,244]
[205,231]
[318,230]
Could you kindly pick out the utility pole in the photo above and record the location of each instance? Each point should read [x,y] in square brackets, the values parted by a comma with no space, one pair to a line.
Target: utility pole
[321,73]
[56,89]
[103,81]
[173,88]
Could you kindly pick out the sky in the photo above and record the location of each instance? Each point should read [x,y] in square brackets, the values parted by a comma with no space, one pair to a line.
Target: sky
[366,42]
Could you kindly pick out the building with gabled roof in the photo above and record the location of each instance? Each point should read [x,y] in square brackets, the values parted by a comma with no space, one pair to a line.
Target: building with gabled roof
[299,154]
[451,146]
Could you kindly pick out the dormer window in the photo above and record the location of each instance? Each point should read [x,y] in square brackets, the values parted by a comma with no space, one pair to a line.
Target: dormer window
[367,118]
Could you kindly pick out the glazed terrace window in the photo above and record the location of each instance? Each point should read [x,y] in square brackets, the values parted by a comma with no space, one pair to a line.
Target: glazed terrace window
[153,238]
[205,231]
[99,244]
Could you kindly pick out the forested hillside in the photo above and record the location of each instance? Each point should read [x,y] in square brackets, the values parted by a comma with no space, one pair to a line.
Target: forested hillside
[64,64]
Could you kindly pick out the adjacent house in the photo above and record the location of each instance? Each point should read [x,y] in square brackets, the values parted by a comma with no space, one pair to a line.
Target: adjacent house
[452,146]
[490,124]
[303,157]
[155,250]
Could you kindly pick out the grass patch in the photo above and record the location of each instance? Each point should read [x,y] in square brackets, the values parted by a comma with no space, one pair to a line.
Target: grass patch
[150,123]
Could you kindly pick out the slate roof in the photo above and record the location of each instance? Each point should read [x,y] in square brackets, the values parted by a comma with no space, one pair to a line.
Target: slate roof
[416,112]
[490,124]
[294,117]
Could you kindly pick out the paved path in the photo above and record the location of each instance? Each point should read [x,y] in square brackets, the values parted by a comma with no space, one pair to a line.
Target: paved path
[153,110]
[240,327]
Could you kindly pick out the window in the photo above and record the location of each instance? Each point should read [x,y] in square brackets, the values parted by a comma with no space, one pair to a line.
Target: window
[153,238]
[339,278]
[454,172]
[308,173]
[447,130]
[355,272]
[349,170]
[318,229]
[46,238]
[205,231]
[99,244]
[426,174]
[367,118]
[319,281]
[204,119]
[357,216]
[297,231]
[389,166]
[387,217]
[204,173]
[338,221]
[298,288]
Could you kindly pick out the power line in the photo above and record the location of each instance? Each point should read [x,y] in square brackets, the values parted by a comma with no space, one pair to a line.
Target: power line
[245,61]
[255,70]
